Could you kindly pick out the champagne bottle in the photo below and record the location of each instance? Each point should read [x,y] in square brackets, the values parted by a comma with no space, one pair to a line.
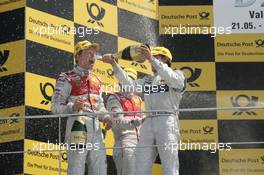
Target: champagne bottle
[79,131]
[129,53]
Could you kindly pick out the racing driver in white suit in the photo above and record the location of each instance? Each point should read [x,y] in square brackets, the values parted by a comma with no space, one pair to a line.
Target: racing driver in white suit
[125,126]
[161,91]
[77,91]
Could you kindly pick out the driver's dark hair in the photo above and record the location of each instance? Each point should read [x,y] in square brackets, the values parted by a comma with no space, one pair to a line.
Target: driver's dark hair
[168,63]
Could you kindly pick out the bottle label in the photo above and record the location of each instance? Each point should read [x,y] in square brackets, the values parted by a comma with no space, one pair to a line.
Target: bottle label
[79,131]
[78,137]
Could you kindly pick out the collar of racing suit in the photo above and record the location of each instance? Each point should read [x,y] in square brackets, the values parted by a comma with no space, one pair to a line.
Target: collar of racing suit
[81,71]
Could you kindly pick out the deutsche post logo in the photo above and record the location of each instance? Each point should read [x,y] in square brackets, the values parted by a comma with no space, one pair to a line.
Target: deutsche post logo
[43,89]
[3,58]
[194,75]
[259,43]
[208,129]
[64,156]
[96,13]
[136,64]
[14,120]
[204,15]
[244,101]
[110,73]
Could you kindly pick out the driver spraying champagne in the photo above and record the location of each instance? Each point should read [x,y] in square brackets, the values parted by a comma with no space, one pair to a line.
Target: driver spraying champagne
[165,89]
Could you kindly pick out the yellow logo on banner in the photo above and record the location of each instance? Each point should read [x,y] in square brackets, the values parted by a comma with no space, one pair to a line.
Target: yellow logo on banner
[241,162]
[13,129]
[49,30]
[39,91]
[200,76]
[96,14]
[240,99]
[12,57]
[142,7]
[43,163]
[8,5]
[239,47]
[144,67]
[182,20]
[198,131]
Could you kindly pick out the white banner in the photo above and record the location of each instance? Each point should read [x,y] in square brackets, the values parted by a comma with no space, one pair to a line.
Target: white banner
[243,16]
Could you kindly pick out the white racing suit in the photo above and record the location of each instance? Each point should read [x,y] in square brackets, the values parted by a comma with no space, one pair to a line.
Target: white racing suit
[163,91]
[71,85]
[126,130]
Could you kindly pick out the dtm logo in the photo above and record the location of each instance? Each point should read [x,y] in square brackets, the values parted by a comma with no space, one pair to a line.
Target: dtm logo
[136,64]
[259,43]
[246,3]
[244,101]
[3,58]
[208,130]
[45,94]
[96,13]
[194,75]
[204,15]
[110,73]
